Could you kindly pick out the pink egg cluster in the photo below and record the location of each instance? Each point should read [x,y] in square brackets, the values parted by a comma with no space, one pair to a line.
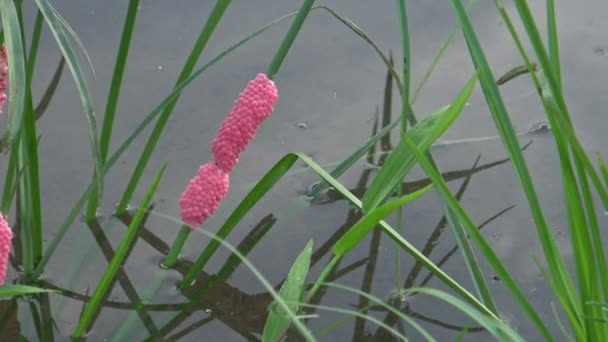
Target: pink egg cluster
[203,195]
[3,76]
[252,107]
[206,190]
[6,235]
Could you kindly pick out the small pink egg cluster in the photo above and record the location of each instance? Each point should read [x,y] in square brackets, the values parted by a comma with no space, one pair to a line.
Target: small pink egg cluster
[6,235]
[206,190]
[3,75]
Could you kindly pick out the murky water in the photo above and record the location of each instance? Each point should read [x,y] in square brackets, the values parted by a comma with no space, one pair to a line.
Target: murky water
[330,86]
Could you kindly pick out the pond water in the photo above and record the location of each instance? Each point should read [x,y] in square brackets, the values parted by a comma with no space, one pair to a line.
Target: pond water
[330,86]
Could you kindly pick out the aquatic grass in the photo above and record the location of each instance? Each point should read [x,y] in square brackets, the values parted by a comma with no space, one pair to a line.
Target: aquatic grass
[406,109]
[204,36]
[117,261]
[114,95]
[30,143]
[481,242]
[585,234]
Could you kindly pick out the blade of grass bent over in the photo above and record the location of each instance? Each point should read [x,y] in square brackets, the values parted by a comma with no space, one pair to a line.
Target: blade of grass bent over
[201,42]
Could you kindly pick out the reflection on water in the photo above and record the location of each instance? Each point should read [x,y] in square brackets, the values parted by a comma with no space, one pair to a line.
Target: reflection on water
[330,82]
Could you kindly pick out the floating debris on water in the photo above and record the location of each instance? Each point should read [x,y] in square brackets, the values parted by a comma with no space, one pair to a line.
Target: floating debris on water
[541,127]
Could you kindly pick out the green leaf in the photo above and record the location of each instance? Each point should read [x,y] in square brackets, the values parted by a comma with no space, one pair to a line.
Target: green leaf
[360,229]
[20,290]
[401,160]
[291,293]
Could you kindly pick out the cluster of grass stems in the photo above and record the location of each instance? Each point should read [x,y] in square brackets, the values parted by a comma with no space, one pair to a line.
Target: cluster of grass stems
[581,292]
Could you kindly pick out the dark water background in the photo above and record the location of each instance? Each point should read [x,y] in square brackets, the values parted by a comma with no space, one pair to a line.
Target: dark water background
[331,83]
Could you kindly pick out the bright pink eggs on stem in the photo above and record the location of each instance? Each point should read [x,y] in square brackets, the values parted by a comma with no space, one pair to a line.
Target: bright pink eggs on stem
[203,195]
[253,106]
[207,189]
[6,235]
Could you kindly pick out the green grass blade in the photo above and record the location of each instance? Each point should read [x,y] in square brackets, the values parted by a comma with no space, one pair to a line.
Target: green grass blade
[16,67]
[67,223]
[406,112]
[359,230]
[290,37]
[509,139]
[114,94]
[119,257]
[564,134]
[30,142]
[79,78]
[291,292]
[401,160]
[201,42]
[553,40]
[496,327]
[20,290]
[482,244]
